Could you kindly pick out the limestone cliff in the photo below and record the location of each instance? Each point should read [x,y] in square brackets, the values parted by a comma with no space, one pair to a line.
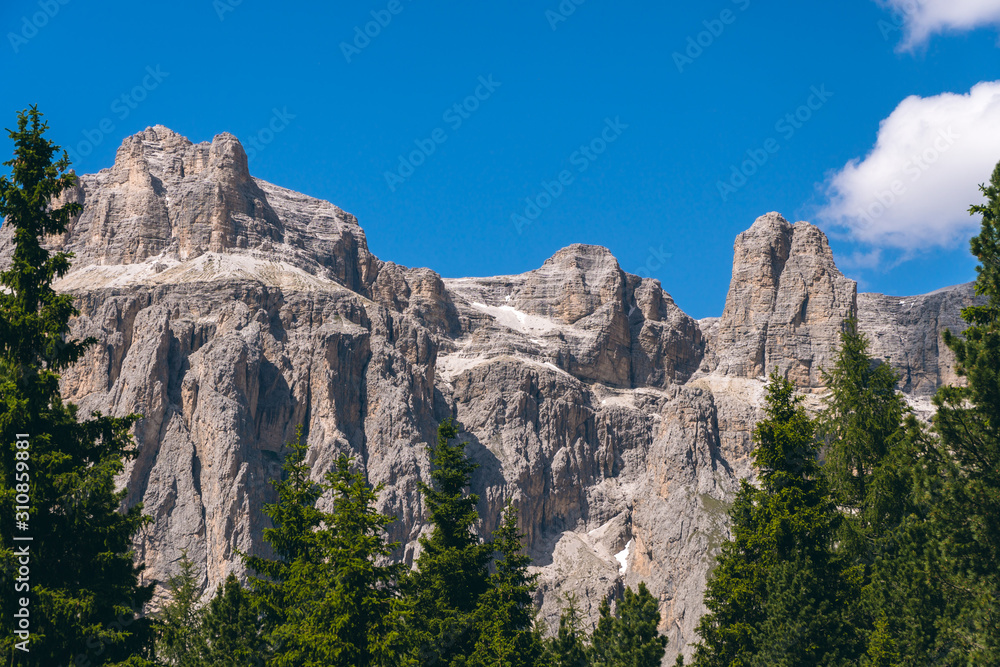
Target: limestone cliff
[229,310]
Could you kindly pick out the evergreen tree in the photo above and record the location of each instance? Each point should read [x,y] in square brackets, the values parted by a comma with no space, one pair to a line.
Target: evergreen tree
[85,598]
[325,599]
[342,610]
[967,449]
[230,628]
[629,637]
[181,643]
[568,647]
[778,594]
[505,615]
[292,538]
[870,466]
[862,425]
[452,569]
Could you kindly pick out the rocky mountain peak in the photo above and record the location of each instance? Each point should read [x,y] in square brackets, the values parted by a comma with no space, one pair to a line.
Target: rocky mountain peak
[170,210]
[229,311]
[786,303]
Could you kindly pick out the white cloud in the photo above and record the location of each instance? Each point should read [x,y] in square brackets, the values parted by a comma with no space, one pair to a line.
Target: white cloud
[923,18]
[914,188]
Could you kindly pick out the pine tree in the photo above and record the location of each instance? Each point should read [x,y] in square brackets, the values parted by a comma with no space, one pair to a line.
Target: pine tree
[568,647]
[505,614]
[452,569]
[778,594]
[230,628]
[181,643]
[85,598]
[967,426]
[862,425]
[870,466]
[326,599]
[292,538]
[629,637]
[342,610]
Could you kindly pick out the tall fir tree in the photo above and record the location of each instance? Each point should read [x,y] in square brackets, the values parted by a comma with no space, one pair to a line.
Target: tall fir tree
[862,428]
[85,596]
[778,594]
[452,570]
[629,637]
[181,643]
[870,466]
[231,629]
[343,610]
[967,447]
[327,598]
[505,614]
[292,538]
[568,648]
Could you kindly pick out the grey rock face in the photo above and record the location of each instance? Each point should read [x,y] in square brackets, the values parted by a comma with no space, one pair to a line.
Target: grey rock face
[785,305]
[907,332]
[230,310]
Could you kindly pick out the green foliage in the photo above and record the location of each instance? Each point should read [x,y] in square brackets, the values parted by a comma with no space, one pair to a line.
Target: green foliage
[452,568]
[181,643]
[85,596]
[505,614]
[862,425]
[629,638]
[966,452]
[778,593]
[568,647]
[230,628]
[325,599]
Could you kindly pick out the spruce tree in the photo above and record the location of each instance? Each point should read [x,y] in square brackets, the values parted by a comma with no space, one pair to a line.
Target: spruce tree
[85,597]
[967,425]
[629,637]
[342,610]
[230,629]
[862,428]
[181,643]
[326,598]
[505,614]
[452,569]
[778,594]
[292,537]
[568,648]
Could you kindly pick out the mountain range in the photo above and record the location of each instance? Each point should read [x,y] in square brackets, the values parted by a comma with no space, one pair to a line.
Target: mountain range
[229,310]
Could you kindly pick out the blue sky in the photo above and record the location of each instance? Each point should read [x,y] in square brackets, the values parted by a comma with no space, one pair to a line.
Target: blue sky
[644,124]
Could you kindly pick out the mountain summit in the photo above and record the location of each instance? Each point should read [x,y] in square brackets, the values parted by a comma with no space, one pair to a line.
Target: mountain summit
[230,310]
